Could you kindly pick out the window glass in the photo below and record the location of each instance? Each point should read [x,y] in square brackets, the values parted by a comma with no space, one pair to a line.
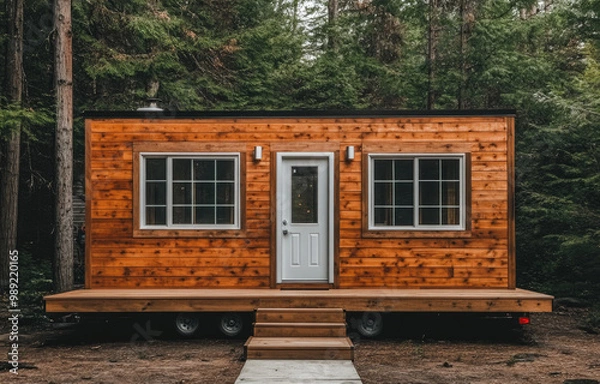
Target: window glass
[182,193]
[403,216]
[204,170]
[383,193]
[383,216]
[429,169]
[182,169]
[383,170]
[156,193]
[225,170]
[403,170]
[225,193]
[305,186]
[205,215]
[156,169]
[182,215]
[404,193]
[451,169]
[225,215]
[450,193]
[205,193]
[156,215]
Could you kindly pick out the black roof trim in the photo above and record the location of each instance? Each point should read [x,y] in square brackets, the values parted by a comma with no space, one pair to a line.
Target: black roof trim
[166,114]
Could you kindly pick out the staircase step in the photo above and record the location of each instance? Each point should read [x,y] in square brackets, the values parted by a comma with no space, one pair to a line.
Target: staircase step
[300,329]
[301,348]
[300,315]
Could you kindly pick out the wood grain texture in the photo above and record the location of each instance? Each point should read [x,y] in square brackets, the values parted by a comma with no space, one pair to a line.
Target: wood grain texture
[121,255]
[248,299]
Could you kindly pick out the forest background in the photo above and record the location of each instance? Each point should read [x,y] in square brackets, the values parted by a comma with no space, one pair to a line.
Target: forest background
[541,58]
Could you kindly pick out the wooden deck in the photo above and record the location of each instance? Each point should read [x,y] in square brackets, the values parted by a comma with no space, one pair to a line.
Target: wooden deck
[247,300]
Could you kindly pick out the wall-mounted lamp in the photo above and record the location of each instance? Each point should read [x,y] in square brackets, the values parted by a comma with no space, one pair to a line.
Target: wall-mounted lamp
[258,153]
[350,153]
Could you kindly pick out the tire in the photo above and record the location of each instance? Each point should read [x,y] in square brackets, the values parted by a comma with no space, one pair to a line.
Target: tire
[231,324]
[369,324]
[187,324]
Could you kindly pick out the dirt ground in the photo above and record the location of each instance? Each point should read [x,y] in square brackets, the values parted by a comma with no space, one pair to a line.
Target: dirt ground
[555,348]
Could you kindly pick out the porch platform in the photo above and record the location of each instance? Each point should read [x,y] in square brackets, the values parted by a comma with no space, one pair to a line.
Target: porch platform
[247,300]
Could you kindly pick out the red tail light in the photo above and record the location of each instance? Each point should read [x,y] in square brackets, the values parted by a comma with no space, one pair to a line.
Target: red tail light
[524,320]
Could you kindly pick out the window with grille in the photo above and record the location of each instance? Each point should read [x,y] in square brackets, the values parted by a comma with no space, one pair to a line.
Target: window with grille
[423,192]
[199,191]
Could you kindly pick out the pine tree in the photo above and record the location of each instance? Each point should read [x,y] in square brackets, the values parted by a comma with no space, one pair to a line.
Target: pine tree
[9,177]
[63,251]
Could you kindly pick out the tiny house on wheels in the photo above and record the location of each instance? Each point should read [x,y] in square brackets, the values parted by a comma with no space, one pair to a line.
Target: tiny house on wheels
[284,213]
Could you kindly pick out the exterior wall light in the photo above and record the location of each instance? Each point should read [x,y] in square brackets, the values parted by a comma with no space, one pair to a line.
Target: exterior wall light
[350,153]
[258,152]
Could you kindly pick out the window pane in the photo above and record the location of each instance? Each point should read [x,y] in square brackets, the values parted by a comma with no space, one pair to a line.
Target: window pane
[156,169]
[383,216]
[429,169]
[451,169]
[225,193]
[205,215]
[404,194]
[225,215]
[429,193]
[204,170]
[156,216]
[182,169]
[182,193]
[383,193]
[156,193]
[205,193]
[304,195]
[450,193]
[403,170]
[404,216]
[225,170]
[182,215]
[383,169]
[429,216]
[450,216]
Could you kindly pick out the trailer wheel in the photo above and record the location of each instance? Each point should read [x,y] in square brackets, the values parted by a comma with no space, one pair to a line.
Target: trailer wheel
[187,324]
[369,324]
[231,324]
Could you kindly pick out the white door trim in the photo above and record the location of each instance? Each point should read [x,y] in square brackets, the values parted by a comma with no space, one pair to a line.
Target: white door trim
[330,198]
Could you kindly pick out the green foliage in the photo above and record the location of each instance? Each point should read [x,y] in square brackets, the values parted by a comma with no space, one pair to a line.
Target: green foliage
[559,190]
[35,281]
[13,117]
[285,54]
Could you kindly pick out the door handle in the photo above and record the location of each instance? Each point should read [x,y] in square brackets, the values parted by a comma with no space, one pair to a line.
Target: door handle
[285,231]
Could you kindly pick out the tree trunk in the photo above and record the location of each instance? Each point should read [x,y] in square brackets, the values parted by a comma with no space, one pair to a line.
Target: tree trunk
[467,12]
[332,13]
[9,183]
[432,42]
[63,81]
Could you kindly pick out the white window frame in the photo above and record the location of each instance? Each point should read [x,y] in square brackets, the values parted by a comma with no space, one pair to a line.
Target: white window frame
[416,156]
[192,156]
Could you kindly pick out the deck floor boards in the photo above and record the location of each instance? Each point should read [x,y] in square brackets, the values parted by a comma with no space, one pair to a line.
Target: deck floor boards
[385,300]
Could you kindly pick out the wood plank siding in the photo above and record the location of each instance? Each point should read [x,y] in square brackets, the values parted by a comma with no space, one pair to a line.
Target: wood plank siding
[121,255]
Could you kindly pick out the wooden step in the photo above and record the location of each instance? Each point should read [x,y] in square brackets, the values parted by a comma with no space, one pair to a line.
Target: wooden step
[300,329]
[300,348]
[300,315]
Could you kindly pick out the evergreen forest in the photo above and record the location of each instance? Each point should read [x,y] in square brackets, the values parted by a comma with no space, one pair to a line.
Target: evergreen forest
[540,57]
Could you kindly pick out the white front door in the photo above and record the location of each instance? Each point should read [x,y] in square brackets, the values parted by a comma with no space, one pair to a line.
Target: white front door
[304,228]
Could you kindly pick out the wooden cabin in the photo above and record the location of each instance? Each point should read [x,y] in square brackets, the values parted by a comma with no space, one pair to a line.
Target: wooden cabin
[364,211]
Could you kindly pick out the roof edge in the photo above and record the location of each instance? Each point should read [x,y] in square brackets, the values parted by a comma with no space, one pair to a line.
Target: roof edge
[167,114]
